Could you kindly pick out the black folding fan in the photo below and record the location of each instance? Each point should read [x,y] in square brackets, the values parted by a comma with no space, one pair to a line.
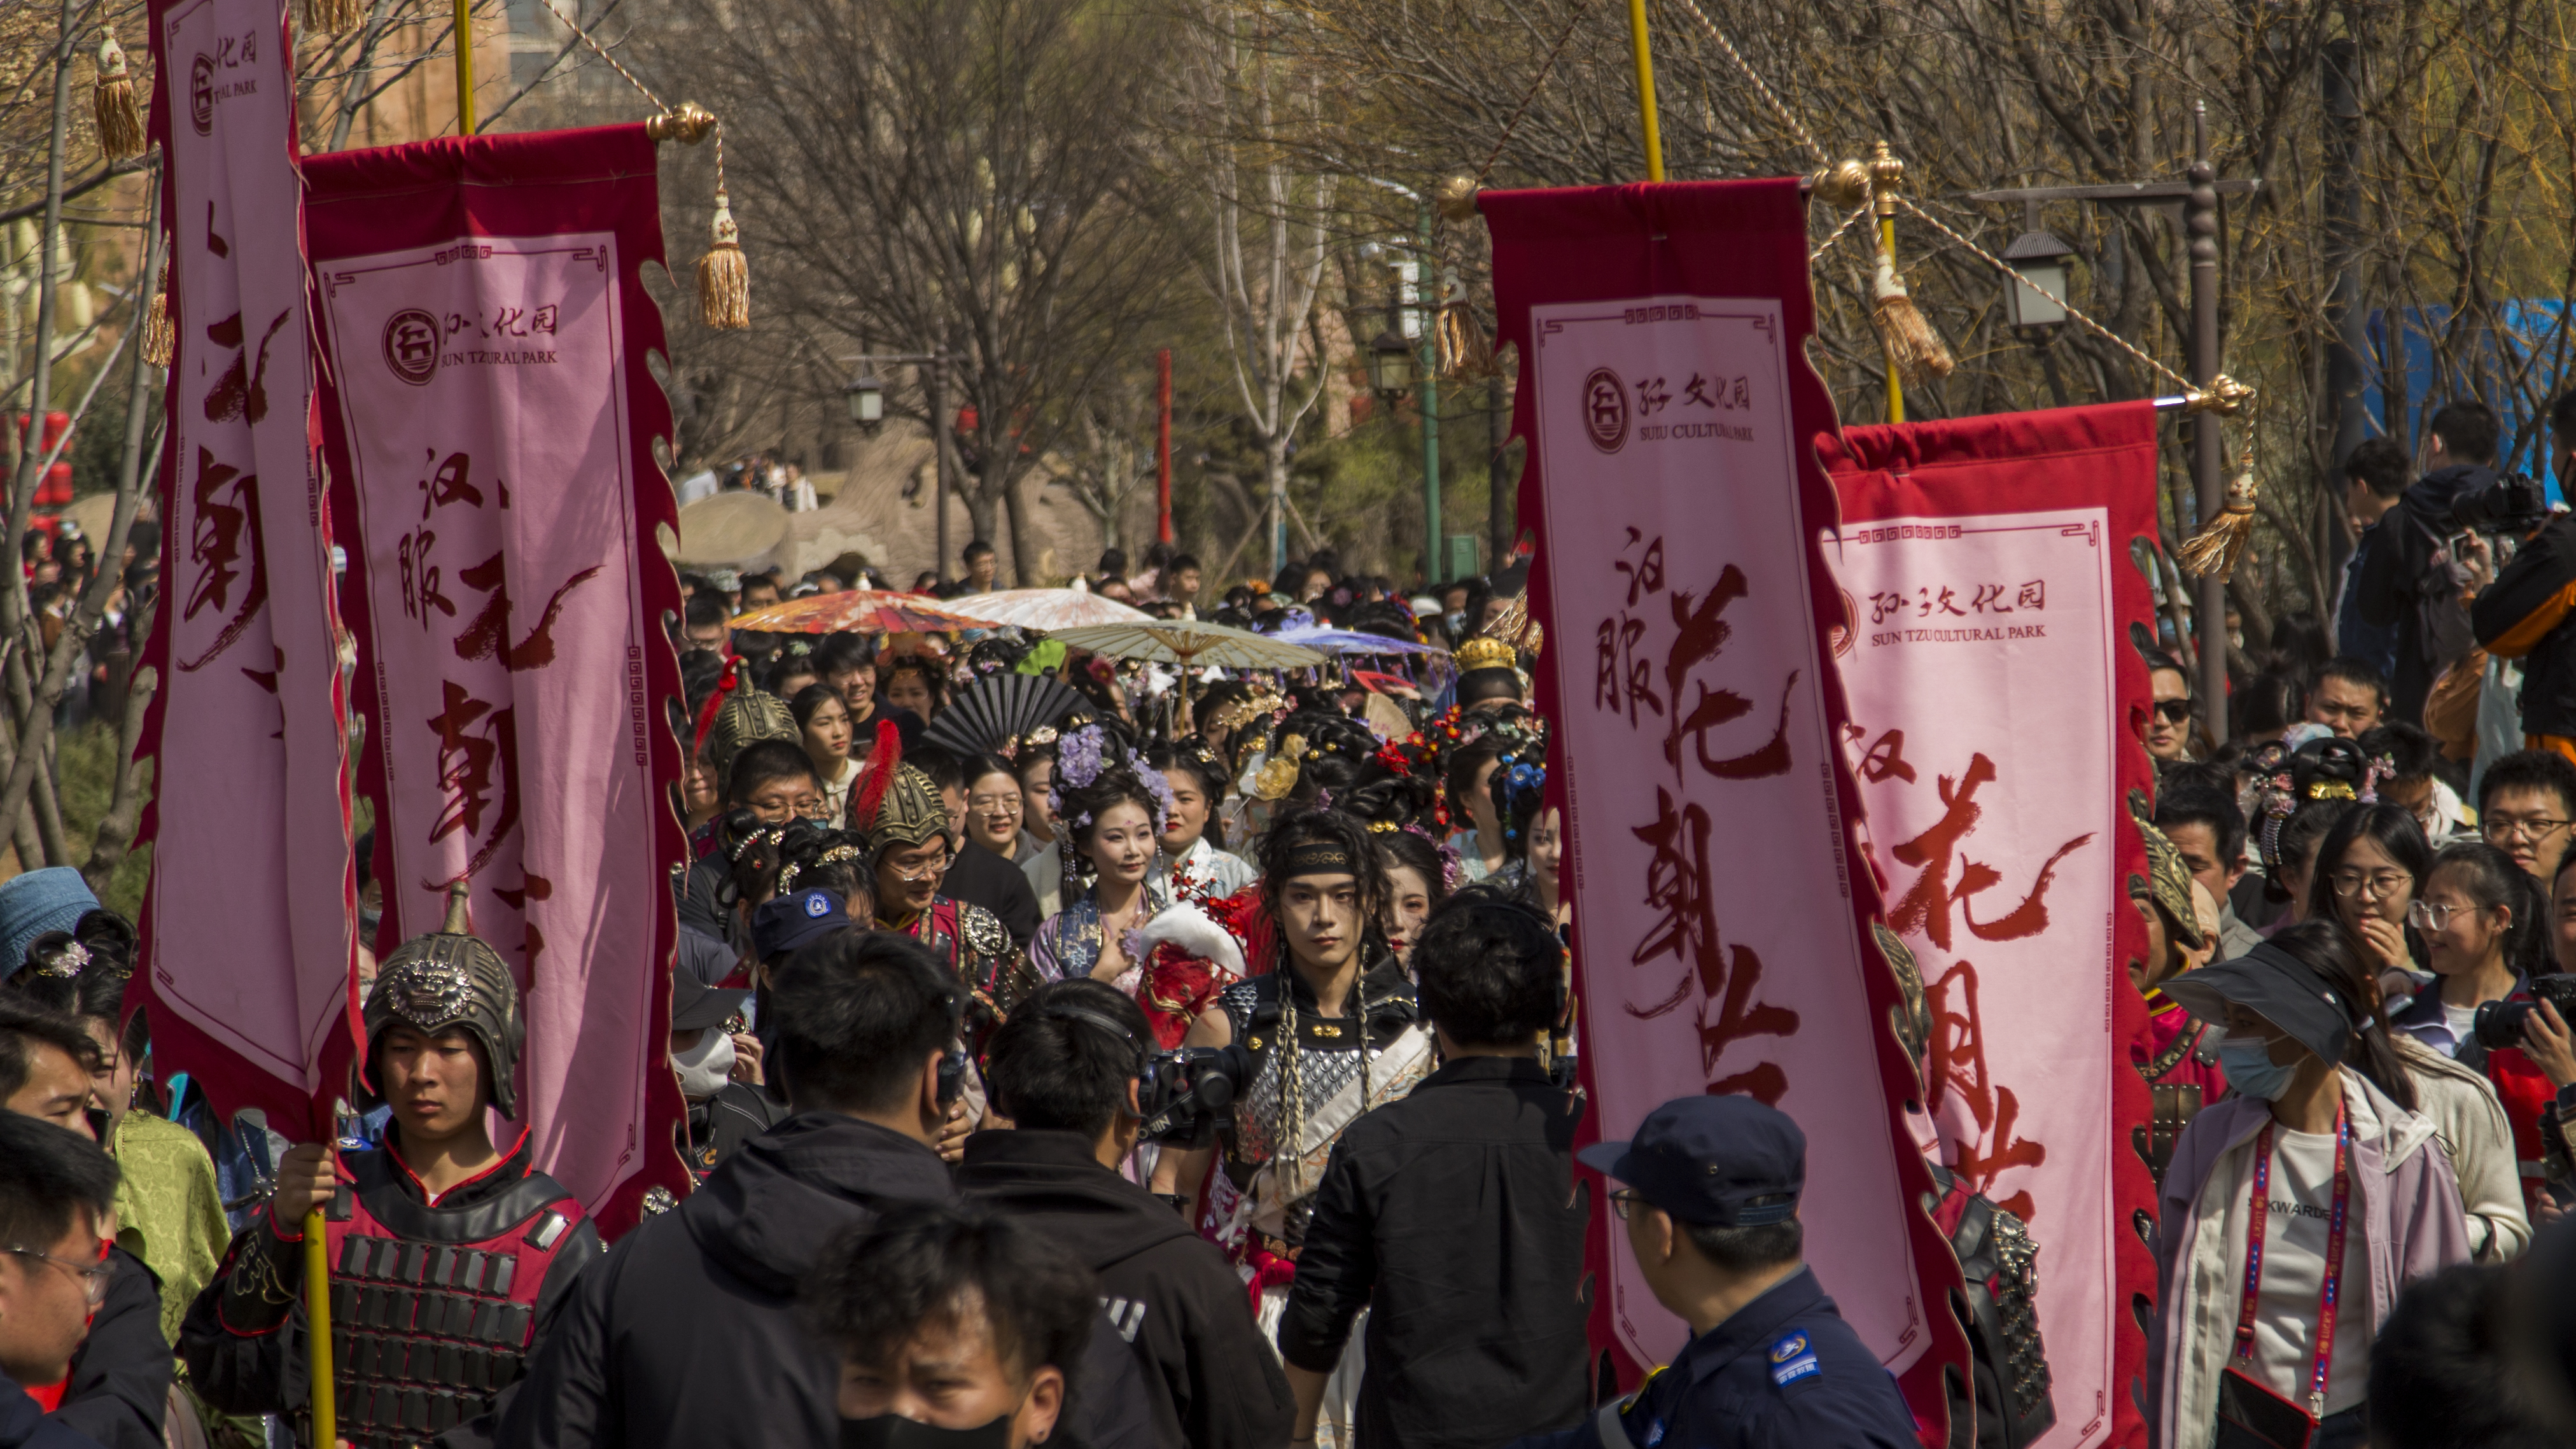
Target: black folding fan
[999,708]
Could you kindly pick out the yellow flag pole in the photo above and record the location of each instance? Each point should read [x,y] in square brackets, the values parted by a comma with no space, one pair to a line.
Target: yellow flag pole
[1887,248]
[1645,89]
[317,1313]
[465,67]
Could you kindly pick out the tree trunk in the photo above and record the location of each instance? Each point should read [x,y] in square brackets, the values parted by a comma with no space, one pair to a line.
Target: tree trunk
[1025,548]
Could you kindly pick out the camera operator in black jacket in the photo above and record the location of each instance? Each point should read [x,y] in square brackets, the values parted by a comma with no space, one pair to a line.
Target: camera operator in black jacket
[2524,613]
[2416,577]
[1064,1070]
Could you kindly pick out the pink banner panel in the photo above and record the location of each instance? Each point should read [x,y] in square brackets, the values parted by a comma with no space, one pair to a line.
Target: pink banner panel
[1719,919]
[1987,581]
[250,917]
[489,424]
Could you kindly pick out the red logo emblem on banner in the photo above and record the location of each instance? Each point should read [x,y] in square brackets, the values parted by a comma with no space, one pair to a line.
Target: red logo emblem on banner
[411,345]
[1605,410]
[201,95]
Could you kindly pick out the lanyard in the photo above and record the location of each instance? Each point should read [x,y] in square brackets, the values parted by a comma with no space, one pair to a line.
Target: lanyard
[2333,1265]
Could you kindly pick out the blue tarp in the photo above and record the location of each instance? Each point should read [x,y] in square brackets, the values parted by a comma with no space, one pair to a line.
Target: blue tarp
[2507,368]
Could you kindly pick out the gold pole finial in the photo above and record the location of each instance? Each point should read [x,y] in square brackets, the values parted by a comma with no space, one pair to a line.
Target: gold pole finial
[688,123]
[459,916]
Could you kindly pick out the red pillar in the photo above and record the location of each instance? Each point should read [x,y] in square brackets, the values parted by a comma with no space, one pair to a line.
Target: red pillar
[1163,447]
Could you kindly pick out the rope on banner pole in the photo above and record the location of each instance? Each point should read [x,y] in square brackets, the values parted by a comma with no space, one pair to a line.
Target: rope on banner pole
[724,274]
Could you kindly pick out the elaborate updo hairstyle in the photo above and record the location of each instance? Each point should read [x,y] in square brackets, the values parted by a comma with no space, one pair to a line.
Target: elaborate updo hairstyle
[1415,851]
[1079,812]
[1337,759]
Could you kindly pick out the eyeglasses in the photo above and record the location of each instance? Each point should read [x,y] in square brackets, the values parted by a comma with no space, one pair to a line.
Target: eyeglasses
[929,870]
[2370,887]
[2173,711]
[1626,1203]
[2506,827]
[2434,917]
[93,1276]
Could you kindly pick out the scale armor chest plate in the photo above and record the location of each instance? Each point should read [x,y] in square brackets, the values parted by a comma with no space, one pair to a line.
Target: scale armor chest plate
[425,1333]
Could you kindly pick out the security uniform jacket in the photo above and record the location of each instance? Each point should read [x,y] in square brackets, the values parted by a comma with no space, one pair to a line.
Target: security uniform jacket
[690,1335]
[1453,1217]
[1785,1372]
[1211,1381]
[120,1379]
[2522,616]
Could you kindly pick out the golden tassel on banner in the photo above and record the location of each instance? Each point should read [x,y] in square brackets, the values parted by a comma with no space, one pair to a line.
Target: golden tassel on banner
[160,337]
[120,121]
[333,17]
[2214,550]
[724,276]
[1915,351]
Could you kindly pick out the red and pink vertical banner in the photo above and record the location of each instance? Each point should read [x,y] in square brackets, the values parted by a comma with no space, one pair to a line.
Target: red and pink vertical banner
[1989,590]
[489,423]
[249,920]
[1721,909]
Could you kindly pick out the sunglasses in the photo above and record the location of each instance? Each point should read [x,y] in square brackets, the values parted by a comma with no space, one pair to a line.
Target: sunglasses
[2173,711]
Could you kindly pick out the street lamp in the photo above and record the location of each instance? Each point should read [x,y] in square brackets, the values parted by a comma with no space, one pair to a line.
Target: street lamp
[1390,363]
[866,399]
[2039,301]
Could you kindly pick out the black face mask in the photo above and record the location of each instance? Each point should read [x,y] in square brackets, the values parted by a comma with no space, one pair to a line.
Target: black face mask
[893,1431]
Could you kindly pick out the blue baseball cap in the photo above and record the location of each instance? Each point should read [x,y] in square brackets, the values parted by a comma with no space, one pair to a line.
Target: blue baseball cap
[52,899]
[784,923]
[1711,1160]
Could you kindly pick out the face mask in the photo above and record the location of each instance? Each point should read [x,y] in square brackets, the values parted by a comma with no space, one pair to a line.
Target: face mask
[893,1431]
[1456,620]
[2251,1070]
[368,921]
[706,1067]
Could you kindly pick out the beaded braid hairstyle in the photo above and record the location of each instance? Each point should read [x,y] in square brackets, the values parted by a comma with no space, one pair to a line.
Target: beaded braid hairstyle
[1279,845]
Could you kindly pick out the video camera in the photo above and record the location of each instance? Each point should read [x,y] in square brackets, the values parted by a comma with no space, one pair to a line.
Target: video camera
[2499,1023]
[2514,505]
[1181,1092]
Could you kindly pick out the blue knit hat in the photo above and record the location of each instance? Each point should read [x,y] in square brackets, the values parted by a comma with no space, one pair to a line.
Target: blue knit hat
[52,899]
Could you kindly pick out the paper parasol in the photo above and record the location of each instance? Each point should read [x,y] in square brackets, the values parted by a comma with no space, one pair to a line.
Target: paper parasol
[856,611]
[1048,610]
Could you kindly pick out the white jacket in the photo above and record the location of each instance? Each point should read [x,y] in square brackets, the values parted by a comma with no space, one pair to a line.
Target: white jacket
[2469,1119]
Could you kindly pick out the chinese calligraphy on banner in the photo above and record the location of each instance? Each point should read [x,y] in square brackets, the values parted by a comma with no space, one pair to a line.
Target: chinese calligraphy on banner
[489,421]
[1985,573]
[251,818]
[1717,921]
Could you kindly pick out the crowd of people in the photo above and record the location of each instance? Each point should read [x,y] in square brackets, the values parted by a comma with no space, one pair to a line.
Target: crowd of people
[2361,930]
[1078,1054]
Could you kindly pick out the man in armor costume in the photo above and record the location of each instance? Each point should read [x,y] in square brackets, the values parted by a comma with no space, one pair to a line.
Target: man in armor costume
[1331,1036]
[2176,1054]
[448,1255]
[908,837]
[2005,1404]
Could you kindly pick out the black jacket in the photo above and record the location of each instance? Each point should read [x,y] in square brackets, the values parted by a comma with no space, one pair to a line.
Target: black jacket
[718,1126]
[24,1424]
[120,1380]
[1454,1218]
[689,1334]
[2392,578]
[2522,616]
[1210,1379]
[979,877]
